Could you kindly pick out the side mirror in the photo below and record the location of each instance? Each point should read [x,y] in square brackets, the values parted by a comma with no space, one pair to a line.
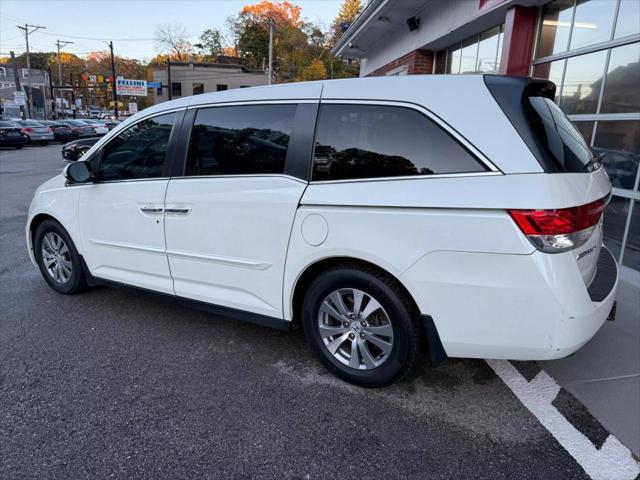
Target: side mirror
[77,172]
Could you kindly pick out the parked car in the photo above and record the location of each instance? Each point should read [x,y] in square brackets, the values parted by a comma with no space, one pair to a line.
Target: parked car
[81,129]
[72,151]
[110,124]
[36,132]
[61,133]
[100,128]
[620,165]
[11,135]
[459,213]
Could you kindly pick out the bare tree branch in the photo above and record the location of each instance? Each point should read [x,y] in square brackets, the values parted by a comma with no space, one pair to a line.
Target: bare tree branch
[172,37]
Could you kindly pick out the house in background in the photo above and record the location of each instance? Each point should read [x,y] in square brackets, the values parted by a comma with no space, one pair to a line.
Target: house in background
[39,80]
[196,78]
[589,48]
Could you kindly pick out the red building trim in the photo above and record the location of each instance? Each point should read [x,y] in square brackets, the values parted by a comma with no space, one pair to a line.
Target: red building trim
[519,37]
[417,62]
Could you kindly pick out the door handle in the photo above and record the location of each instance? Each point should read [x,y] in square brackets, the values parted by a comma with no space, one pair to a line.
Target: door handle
[180,210]
[151,208]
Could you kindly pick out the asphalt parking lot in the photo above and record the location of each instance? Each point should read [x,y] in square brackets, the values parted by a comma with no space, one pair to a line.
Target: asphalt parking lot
[118,384]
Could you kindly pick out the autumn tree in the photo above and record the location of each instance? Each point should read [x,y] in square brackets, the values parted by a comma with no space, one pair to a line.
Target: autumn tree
[172,38]
[315,71]
[348,12]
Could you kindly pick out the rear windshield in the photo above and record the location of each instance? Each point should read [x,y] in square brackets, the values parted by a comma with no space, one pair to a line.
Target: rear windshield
[558,135]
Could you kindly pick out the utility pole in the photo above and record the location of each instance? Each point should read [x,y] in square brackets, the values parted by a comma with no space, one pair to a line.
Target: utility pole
[27,30]
[113,83]
[169,89]
[53,98]
[272,24]
[60,44]
[16,76]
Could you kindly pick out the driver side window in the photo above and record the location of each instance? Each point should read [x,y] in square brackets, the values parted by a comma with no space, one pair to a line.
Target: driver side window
[139,151]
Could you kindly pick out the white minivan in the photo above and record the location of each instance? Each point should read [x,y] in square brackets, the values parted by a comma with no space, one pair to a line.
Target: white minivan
[456,215]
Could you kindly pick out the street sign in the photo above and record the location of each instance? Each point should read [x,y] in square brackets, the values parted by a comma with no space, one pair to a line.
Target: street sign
[129,87]
[154,85]
[133,108]
[20,98]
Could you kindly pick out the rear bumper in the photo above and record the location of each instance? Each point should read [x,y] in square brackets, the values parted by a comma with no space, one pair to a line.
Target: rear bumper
[39,137]
[520,307]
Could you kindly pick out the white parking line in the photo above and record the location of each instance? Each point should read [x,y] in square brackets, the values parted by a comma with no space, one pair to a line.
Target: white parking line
[611,462]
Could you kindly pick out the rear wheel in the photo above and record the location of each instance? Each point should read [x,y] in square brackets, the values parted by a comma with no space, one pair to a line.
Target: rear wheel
[58,259]
[361,325]
[81,152]
[18,147]
[43,143]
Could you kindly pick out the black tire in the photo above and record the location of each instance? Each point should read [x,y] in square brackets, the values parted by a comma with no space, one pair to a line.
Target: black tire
[76,282]
[81,152]
[43,144]
[396,303]
[18,147]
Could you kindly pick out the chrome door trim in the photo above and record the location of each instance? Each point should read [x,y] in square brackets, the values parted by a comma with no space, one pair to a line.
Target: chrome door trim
[128,246]
[233,262]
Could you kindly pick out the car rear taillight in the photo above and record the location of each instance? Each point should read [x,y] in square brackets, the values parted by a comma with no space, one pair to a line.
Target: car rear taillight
[28,129]
[559,230]
[49,130]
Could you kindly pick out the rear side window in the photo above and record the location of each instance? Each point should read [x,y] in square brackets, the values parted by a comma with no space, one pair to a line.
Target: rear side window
[562,140]
[240,140]
[372,141]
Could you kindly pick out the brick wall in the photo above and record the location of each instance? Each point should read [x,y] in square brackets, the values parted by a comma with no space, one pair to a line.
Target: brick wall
[418,62]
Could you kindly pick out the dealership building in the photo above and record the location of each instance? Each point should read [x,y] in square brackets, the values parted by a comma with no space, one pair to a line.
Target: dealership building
[589,48]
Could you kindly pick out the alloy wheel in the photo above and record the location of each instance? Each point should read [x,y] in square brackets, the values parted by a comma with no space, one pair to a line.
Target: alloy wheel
[355,328]
[56,258]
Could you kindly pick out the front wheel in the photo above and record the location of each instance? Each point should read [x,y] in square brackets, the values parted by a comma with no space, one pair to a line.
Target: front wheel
[58,258]
[362,325]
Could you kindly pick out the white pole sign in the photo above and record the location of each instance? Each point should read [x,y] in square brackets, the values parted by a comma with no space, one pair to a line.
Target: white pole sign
[129,87]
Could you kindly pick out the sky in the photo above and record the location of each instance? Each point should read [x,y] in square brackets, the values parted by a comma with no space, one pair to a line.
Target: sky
[129,23]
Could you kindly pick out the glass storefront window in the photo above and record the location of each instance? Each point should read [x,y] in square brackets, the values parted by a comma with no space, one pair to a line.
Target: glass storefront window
[586,129]
[488,50]
[500,40]
[582,79]
[620,140]
[551,71]
[628,21]
[469,55]
[441,61]
[615,219]
[622,86]
[631,256]
[453,61]
[556,25]
[593,22]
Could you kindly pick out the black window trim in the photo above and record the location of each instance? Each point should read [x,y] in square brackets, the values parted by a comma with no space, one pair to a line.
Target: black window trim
[476,154]
[297,164]
[171,156]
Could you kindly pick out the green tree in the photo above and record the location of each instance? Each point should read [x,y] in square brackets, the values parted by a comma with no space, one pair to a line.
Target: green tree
[210,45]
[348,12]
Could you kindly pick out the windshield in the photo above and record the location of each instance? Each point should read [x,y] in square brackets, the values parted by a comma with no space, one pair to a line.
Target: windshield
[559,136]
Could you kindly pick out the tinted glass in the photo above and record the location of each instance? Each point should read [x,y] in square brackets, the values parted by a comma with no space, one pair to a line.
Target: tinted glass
[582,80]
[367,141]
[620,140]
[198,88]
[560,137]
[622,86]
[556,25]
[628,21]
[139,151]
[441,61]
[593,22]
[240,140]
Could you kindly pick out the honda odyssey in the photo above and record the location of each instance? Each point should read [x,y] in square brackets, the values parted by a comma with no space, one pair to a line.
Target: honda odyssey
[457,215]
